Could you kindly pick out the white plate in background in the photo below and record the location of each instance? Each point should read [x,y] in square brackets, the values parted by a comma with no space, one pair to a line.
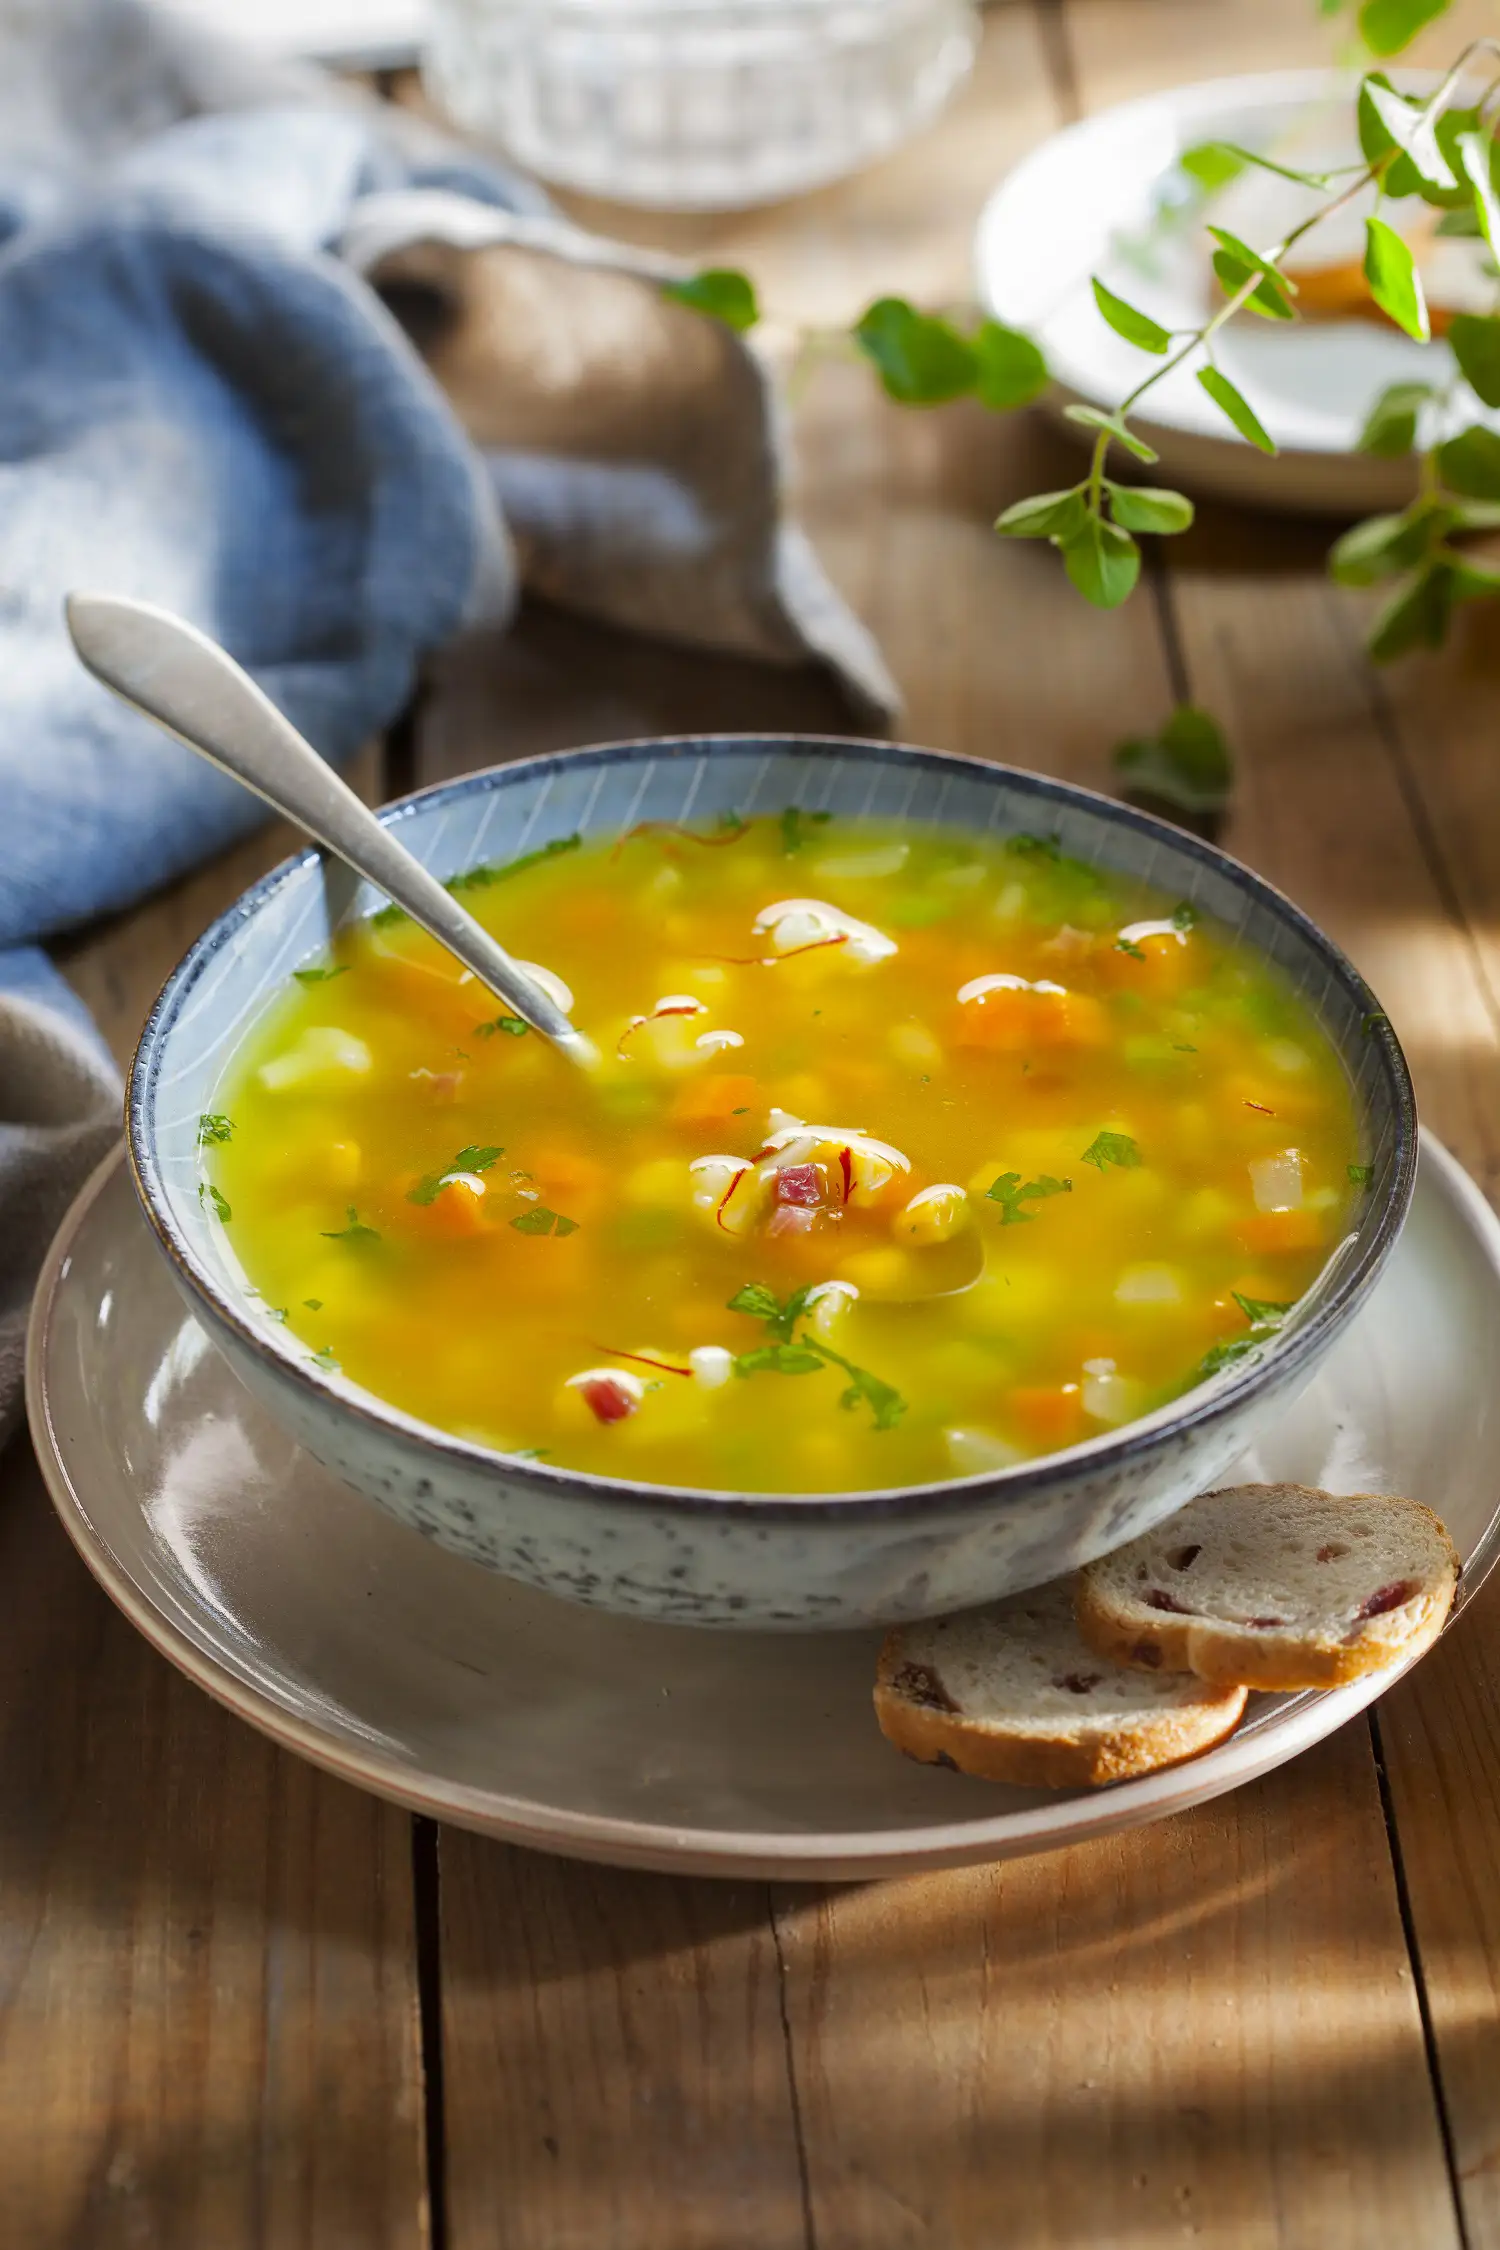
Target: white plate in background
[1088,202]
[360,34]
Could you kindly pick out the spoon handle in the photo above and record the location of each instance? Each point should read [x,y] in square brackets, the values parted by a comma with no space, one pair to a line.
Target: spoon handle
[192,687]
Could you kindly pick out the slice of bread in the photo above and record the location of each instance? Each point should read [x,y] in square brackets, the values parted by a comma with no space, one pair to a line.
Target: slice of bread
[1011,1693]
[1274,1586]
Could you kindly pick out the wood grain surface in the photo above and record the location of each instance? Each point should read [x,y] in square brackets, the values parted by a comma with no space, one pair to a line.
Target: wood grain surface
[1274,2021]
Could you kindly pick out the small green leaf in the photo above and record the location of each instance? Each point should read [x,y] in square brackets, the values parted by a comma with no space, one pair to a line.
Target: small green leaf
[484,877]
[1142,507]
[1234,263]
[1386,26]
[1011,369]
[1022,846]
[1185,917]
[1128,945]
[276,1312]
[1395,284]
[539,1220]
[920,359]
[1233,404]
[779,1359]
[1400,177]
[1094,418]
[1211,165]
[1391,424]
[1228,1354]
[208,1193]
[1046,515]
[1480,160]
[1476,347]
[355,1231]
[514,1027]
[1127,320]
[321,976]
[1360,1175]
[884,1401]
[793,822]
[1461,226]
[1102,562]
[1260,1311]
[1111,1148]
[1384,545]
[1416,616]
[213,1125]
[754,1298]
[326,1360]
[1409,127]
[1187,765]
[313,1304]
[1470,463]
[469,1159]
[721,293]
[1009,1192]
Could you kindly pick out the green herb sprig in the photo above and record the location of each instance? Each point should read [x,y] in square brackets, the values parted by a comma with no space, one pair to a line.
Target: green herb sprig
[808,1353]
[1010,1194]
[469,1159]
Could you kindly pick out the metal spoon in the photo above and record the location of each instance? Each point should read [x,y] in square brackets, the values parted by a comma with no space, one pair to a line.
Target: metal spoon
[192,687]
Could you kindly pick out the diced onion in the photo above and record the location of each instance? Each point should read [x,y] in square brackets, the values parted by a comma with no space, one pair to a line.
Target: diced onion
[797,922]
[321,1052]
[1276,1181]
[978,988]
[712,1365]
[1149,1285]
[552,984]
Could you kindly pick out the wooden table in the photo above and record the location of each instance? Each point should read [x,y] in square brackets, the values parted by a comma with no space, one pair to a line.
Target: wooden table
[241,2005]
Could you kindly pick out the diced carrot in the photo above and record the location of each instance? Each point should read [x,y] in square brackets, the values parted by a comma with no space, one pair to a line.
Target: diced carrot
[573,1182]
[455,1214]
[709,1100]
[1266,1232]
[1048,1416]
[1161,965]
[1008,1021]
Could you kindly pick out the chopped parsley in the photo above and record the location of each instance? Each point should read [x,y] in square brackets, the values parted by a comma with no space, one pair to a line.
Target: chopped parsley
[321,976]
[884,1401]
[469,1159]
[515,1027]
[208,1193]
[1179,1047]
[213,1125]
[792,823]
[355,1231]
[326,1360]
[1034,847]
[529,1453]
[1008,1192]
[313,1304]
[1128,945]
[779,1359]
[276,1312]
[1264,1316]
[762,1303]
[1111,1148]
[1360,1175]
[539,1220]
[481,878]
[1184,917]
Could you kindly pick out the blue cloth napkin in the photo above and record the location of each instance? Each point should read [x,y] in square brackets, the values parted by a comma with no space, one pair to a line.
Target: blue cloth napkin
[204,402]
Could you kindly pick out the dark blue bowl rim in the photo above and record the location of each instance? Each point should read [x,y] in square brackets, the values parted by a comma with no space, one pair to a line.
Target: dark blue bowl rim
[1196,1411]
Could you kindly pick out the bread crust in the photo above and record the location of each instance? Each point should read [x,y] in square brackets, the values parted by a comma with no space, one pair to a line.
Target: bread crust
[1068,1759]
[1271,1661]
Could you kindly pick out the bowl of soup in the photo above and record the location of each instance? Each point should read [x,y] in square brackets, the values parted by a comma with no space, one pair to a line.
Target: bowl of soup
[971,1166]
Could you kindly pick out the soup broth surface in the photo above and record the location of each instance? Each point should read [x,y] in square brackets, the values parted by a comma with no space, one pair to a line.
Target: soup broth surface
[911,1154]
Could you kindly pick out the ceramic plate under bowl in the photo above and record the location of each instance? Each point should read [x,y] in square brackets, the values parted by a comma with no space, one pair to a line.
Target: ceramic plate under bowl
[1108,197]
[350,1639]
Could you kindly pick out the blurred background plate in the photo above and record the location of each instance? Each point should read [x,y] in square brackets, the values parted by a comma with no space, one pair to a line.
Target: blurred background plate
[358,34]
[1110,196]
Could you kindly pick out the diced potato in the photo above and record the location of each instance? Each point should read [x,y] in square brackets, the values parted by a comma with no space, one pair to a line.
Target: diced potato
[322,1052]
[1149,1285]
[914,1045]
[979,1452]
[934,1214]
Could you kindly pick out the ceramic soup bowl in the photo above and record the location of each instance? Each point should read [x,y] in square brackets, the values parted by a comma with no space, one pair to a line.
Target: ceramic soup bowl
[733,1558]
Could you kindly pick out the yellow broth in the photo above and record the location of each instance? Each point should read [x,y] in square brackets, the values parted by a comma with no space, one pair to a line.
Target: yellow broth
[911,1154]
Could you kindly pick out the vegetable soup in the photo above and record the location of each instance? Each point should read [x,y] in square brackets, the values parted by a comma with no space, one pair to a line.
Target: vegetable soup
[1088,1150]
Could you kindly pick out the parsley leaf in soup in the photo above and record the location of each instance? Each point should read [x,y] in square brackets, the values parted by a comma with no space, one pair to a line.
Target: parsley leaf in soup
[762,1303]
[883,1399]
[1260,1311]
[355,1231]
[1034,847]
[1184,917]
[469,1159]
[326,1360]
[539,1220]
[1360,1174]
[208,1193]
[779,1359]
[213,1125]
[1128,945]
[321,976]
[313,1304]
[1009,1193]
[1111,1148]
[515,1027]
[794,823]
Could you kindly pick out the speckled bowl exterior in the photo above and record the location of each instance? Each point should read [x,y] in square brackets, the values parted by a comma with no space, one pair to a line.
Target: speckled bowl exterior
[731,1558]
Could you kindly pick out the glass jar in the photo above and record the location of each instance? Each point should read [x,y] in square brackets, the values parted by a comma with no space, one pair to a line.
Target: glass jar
[696,104]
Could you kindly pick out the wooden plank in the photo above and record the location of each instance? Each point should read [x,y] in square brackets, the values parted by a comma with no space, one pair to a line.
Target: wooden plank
[209,2026]
[1174,2035]
[1371,797]
[208,2019]
[613,2058]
